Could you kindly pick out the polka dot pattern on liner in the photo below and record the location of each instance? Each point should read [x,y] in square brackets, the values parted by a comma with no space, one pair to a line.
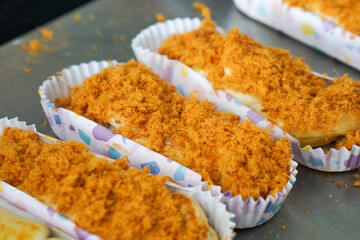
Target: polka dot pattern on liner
[306,27]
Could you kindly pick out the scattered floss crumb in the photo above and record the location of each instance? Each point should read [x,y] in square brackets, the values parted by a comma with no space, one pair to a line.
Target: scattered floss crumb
[92,17]
[122,37]
[46,34]
[77,17]
[283,227]
[27,70]
[198,6]
[160,17]
[356,184]
[33,47]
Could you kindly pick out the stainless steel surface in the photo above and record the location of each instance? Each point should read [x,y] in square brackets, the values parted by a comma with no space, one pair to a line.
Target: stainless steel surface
[315,209]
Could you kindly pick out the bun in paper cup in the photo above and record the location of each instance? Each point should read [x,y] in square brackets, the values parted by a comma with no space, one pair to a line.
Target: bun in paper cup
[186,80]
[28,204]
[218,217]
[306,27]
[70,126]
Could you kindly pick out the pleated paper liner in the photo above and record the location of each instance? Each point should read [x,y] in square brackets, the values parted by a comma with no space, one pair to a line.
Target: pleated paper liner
[305,27]
[145,46]
[70,126]
[218,217]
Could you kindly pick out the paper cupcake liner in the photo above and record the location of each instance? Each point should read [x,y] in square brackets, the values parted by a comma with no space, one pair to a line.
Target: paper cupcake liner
[306,27]
[68,125]
[219,218]
[186,80]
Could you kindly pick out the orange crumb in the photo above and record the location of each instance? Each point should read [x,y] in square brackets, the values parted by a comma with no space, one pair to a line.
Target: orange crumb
[356,184]
[122,37]
[46,34]
[92,17]
[283,227]
[108,199]
[94,47]
[356,176]
[304,210]
[240,157]
[77,17]
[346,186]
[98,33]
[301,103]
[44,124]
[27,70]
[342,230]
[277,236]
[199,6]
[33,47]
[160,17]
[352,138]
[345,13]
[338,185]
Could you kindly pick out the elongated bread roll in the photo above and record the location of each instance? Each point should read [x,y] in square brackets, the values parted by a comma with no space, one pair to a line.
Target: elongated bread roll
[13,227]
[105,198]
[271,81]
[133,101]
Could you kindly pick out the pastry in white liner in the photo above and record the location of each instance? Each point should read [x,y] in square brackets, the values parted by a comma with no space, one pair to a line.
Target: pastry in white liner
[68,125]
[270,81]
[343,13]
[318,31]
[65,175]
[240,157]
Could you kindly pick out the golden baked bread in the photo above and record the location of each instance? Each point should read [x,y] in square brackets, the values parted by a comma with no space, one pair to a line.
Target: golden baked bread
[135,102]
[271,81]
[13,227]
[344,13]
[105,198]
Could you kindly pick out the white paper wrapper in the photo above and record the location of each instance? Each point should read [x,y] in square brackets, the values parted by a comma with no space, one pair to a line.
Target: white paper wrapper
[145,46]
[219,218]
[306,27]
[68,125]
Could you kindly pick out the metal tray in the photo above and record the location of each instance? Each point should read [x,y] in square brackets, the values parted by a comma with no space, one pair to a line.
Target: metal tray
[315,209]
